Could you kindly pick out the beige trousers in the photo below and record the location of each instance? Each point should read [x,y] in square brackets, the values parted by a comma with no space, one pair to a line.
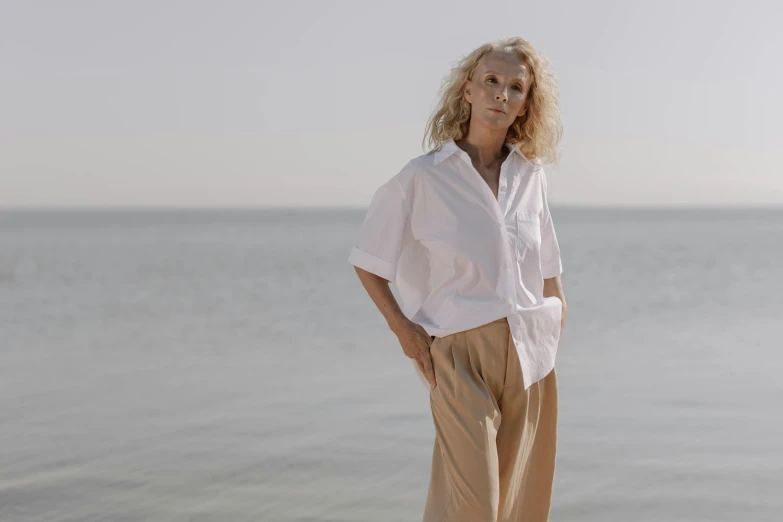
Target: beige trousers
[495,442]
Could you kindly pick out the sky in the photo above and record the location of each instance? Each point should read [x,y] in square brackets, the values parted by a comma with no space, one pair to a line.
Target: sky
[316,104]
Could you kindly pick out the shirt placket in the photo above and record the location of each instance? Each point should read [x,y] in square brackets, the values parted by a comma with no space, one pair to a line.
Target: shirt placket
[507,264]
[508,270]
[507,281]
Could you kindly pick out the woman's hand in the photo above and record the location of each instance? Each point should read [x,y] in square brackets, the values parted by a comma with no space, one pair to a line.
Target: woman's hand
[415,342]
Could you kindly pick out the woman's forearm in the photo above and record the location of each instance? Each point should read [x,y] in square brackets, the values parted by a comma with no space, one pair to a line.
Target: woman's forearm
[381,294]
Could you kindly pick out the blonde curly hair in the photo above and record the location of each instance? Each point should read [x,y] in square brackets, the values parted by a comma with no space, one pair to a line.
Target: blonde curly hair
[537,133]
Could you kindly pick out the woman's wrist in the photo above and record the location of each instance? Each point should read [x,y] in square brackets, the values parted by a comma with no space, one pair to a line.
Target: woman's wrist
[398,322]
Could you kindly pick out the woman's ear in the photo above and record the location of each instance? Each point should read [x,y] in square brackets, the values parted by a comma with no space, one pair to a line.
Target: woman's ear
[466,92]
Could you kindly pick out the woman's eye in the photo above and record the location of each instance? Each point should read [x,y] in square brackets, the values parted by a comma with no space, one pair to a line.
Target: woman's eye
[517,87]
[491,79]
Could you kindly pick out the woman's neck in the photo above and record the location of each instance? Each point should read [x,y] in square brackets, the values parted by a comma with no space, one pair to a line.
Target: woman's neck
[484,152]
[484,145]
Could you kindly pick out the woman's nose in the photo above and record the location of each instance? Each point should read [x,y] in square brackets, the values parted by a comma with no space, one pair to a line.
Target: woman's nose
[501,95]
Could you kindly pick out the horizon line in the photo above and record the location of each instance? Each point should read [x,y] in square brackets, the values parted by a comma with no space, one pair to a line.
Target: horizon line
[562,206]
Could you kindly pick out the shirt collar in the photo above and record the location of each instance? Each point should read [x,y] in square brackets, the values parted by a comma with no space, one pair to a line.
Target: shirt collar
[450,148]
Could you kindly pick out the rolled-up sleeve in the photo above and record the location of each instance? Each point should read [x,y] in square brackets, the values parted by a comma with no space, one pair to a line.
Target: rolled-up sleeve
[384,231]
[551,263]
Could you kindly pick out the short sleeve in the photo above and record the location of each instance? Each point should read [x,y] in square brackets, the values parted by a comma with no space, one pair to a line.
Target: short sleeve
[384,231]
[551,263]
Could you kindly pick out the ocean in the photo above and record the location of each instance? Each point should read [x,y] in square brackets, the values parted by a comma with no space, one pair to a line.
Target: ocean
[227,365]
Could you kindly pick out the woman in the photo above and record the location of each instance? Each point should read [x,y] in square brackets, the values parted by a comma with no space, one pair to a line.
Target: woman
[466,234]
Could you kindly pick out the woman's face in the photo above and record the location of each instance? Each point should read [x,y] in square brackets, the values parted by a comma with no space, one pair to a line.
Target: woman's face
[498,91]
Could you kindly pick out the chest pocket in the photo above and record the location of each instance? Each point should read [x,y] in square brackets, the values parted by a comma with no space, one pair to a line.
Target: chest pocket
[528,236]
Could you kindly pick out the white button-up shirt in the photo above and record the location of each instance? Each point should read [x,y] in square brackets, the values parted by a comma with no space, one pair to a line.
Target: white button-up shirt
[461,258]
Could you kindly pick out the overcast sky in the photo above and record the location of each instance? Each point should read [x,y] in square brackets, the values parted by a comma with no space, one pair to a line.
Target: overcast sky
[228,103]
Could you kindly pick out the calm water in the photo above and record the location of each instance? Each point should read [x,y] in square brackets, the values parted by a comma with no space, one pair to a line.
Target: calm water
[228,366]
